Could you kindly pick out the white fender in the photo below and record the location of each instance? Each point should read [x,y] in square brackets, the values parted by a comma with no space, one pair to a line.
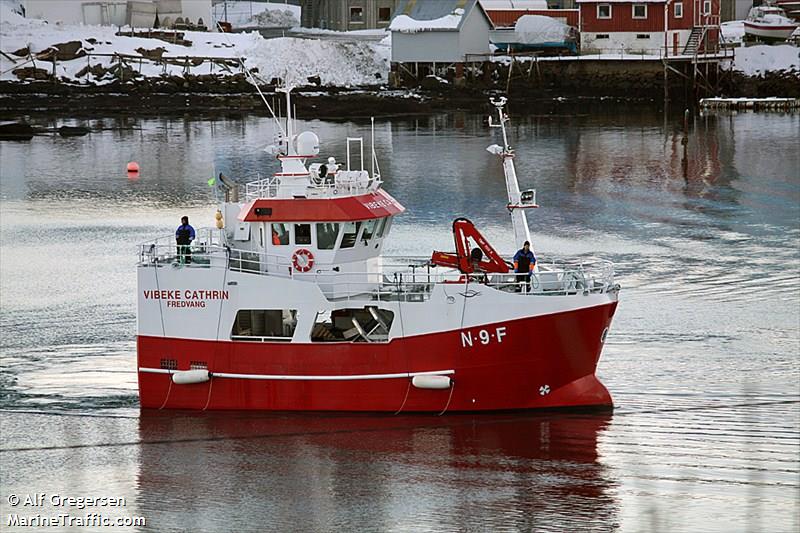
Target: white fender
[187,377]
[431,382]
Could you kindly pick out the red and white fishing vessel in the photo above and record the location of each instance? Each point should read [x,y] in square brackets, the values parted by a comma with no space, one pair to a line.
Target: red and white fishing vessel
[288,304]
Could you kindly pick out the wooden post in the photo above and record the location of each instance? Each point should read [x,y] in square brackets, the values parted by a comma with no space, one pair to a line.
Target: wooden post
[685,143]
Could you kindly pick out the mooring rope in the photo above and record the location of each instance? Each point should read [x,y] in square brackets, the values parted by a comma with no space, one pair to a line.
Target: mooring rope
[168,391]
[210,385]
[452,388]
[408,389]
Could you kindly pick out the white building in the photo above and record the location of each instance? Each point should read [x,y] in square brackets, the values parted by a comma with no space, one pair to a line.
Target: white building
[139,13]
[444,31]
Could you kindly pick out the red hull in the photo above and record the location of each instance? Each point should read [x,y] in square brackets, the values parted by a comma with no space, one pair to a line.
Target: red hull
[541,362]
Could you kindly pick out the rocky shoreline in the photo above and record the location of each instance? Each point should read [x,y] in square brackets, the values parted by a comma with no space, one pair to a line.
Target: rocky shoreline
[214,95]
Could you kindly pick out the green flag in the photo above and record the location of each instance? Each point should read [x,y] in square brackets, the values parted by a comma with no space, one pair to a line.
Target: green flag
[212,181]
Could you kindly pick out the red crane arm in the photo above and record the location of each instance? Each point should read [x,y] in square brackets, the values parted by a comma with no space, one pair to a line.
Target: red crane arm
[463,231]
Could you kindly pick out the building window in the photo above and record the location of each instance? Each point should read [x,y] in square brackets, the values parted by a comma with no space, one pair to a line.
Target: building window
[384,14]
[678,10]
[640,11]
[604,11]
[707,7]
[642,35]
[601,36]
[356,14]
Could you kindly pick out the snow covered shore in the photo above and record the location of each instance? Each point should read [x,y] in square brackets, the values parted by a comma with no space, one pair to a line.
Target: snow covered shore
[94,60]
[761,59]
[329,63]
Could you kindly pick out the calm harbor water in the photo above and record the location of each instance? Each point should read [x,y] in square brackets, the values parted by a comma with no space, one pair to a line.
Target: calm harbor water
[703,359]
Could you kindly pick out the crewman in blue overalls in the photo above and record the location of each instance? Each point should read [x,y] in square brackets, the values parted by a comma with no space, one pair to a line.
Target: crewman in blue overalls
[184,236]
[524,261]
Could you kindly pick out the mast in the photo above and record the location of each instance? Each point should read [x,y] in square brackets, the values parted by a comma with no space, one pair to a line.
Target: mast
[290,150]
[517,201]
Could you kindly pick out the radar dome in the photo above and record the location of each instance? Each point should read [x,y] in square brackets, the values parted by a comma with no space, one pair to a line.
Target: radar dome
[307,143]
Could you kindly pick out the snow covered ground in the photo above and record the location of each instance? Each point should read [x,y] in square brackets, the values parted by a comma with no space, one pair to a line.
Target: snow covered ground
[337,63]
[245,14]
[755,60]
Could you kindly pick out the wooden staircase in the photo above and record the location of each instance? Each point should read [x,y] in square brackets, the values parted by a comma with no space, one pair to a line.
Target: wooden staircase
[695,39]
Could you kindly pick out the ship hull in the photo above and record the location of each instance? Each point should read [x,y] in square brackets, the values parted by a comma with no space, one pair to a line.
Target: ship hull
[546,361]
[769,32]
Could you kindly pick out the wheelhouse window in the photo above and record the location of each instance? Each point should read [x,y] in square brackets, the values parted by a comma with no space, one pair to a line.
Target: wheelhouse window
[356,14]
[351,230]
[384,14]
[604,11]
[678,10]
[264,324]
[327,233]
[369,230]
[280,234]
[381,227]
[707,7]
[640,11]
[302,233]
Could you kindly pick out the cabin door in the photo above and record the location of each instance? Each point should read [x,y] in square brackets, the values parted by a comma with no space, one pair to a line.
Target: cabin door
[261,246]
[675,38]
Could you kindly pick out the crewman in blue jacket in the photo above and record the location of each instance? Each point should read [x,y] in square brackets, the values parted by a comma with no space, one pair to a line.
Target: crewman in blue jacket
[524,261]
[184,236]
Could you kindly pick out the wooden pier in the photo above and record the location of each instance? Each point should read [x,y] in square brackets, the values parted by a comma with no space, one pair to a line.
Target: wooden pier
[751,104]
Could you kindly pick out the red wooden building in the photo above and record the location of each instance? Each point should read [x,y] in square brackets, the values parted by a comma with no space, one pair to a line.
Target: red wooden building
[653,27]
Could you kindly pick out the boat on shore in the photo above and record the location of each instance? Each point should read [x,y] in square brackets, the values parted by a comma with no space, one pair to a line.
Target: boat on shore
[289,305]
[768,23]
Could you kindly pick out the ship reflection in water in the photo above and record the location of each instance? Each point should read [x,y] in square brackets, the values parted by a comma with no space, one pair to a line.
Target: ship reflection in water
[373,473]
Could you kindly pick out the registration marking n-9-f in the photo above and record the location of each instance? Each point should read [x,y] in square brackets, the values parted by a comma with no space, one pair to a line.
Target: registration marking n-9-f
[483,336]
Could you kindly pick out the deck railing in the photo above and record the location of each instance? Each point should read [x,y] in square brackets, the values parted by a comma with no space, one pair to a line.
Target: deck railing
[344,183]
[397,278]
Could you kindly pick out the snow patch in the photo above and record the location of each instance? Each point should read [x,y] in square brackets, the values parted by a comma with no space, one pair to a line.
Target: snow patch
[755,60]
[267,14]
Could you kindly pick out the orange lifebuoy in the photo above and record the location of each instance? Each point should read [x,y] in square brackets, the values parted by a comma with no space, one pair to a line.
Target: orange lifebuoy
[302,260]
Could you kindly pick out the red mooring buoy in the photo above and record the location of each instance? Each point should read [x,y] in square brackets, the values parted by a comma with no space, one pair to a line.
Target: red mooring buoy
[133,166]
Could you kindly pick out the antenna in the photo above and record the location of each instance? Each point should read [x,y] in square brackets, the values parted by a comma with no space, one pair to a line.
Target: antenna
[252,79]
